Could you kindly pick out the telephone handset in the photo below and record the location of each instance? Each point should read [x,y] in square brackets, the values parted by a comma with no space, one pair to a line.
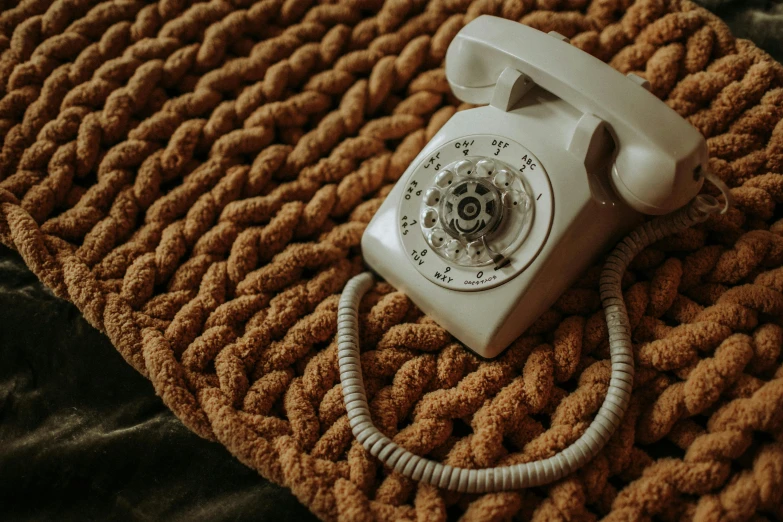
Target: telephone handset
[659,153]
[510,202]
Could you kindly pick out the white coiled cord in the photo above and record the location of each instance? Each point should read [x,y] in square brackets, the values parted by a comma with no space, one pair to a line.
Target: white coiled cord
[607,419]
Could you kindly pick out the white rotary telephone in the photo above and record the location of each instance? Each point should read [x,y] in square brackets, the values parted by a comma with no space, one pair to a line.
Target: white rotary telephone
[509,203]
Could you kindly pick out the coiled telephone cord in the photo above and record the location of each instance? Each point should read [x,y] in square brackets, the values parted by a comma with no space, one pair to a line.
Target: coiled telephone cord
[607,419]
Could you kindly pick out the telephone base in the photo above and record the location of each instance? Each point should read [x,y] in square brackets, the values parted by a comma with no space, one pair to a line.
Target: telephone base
[582,219]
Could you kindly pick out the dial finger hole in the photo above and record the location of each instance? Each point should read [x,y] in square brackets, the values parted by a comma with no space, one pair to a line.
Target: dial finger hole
[516,200]
[465,168]
[444,178]
[429,218]
[485,168]
[475,249]
[503,179]
[432,197]
[438,238]
[453,249]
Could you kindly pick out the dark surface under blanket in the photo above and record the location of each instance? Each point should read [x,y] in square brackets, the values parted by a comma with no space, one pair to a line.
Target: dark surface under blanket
[84,437]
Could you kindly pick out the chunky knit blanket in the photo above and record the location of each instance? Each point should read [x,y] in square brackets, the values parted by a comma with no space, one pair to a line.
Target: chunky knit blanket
[196,175]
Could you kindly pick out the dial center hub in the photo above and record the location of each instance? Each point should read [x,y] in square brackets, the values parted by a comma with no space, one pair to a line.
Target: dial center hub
[471,209]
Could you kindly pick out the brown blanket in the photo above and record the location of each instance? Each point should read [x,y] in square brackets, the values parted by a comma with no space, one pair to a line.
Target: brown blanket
[196,179]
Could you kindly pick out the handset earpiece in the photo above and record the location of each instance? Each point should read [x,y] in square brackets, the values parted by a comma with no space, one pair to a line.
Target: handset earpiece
[660,156]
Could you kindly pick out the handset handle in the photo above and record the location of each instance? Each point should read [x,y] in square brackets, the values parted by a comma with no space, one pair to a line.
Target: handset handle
[660,155]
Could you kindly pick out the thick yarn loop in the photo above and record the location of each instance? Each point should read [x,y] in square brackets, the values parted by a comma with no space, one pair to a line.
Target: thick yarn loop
[196,176]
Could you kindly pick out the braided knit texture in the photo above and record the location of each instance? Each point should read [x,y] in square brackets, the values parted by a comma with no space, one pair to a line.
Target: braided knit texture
[195,176]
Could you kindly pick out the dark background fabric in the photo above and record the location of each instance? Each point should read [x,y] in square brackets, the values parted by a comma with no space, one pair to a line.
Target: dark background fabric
[758,20]
[84,437]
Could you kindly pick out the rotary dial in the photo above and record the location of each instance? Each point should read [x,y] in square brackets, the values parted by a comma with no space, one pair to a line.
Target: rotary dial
[475,212]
